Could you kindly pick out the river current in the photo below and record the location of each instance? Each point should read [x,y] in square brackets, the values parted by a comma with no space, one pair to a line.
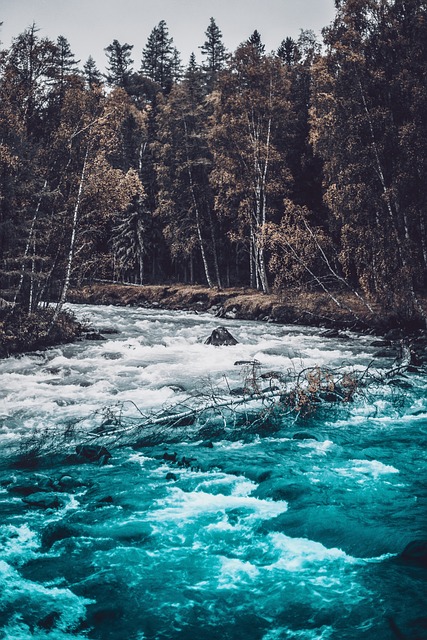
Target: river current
[230,526]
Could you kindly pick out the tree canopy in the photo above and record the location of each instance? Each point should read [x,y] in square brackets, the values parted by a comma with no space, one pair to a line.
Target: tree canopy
[299,168]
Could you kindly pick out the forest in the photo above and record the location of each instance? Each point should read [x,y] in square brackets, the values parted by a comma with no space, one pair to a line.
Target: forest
[302,168]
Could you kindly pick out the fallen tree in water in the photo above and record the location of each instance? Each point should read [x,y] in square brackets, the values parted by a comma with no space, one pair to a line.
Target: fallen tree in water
[265,402]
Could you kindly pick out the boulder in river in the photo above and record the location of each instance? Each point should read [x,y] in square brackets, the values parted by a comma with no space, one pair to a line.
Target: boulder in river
[68,483]
[55,531]
[221,337]
[45,500]
[93,453]
[35,484]
[414,554]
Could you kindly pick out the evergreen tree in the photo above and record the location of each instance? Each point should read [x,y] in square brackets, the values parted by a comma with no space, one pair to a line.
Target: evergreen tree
[92,74]
[215,53]
[287,51]
[255,42]
[65,62]
[119,64]
[185,199]
[29,69]
[160,59]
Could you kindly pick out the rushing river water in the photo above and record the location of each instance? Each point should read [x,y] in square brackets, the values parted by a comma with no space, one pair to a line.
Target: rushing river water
[255,535]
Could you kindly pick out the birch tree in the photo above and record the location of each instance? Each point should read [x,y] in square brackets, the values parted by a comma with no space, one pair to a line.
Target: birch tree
[251,176]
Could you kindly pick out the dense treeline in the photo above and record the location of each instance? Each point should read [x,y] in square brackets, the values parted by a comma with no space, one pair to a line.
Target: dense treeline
[303,167]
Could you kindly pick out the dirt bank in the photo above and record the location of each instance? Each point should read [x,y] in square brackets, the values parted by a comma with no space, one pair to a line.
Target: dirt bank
[312,309]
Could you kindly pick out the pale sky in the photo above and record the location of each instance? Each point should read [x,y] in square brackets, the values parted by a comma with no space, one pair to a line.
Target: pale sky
[91,25]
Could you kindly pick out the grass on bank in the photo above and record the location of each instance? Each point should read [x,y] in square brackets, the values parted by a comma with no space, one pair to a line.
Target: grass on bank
[22,332]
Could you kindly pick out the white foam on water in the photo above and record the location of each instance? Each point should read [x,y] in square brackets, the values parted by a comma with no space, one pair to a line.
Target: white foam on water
[319,447]
[233,573]
[324,633]
[301,554]
[155,353]
[139,458]
[18,543]
[22,594]
[367,468]
[223,483]
[17,630]
[180,506]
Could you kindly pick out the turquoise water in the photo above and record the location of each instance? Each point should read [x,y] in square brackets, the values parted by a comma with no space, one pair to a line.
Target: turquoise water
[259,536]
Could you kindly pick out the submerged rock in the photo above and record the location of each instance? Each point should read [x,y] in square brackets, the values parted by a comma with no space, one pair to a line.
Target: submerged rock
[49,621]
[415,554]
[221,337]
[45,500]
[170,457]
[93,453]
[68,483]
[208,444]
[302,435]
[57,531]
[32,485]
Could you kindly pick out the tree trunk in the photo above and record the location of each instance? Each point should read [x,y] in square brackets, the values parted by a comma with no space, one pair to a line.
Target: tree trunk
[67,279]
[196,209]
[29,242]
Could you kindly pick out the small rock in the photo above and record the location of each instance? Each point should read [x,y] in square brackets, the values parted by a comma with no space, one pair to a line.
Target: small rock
[330,333]
[208,444]
[93,453]
[380,343]
[302,435]
[49,621]
[171,476]
[68,483]
[94,335]
[170,457]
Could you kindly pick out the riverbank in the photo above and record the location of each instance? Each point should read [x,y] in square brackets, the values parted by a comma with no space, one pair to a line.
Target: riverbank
[304,308]
[20,332]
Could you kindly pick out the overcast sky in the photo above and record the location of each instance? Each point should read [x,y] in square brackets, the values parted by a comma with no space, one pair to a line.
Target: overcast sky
[91,25]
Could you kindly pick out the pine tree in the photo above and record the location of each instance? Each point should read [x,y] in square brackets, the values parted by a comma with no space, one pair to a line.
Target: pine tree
[215,53]
[287,51]
[160,59]
[119,64]
[29,68]
[92,74]
[255,42]
[65,62]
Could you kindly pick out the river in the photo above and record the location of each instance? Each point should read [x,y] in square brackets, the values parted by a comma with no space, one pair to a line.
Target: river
[227,527]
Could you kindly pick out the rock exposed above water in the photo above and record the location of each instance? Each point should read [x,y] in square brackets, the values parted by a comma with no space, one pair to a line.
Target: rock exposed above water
[221,337]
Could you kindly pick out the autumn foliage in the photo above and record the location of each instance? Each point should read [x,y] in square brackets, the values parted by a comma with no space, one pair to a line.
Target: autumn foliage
[300,169]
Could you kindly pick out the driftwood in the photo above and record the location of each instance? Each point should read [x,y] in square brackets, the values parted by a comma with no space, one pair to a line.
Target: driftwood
[266,399]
